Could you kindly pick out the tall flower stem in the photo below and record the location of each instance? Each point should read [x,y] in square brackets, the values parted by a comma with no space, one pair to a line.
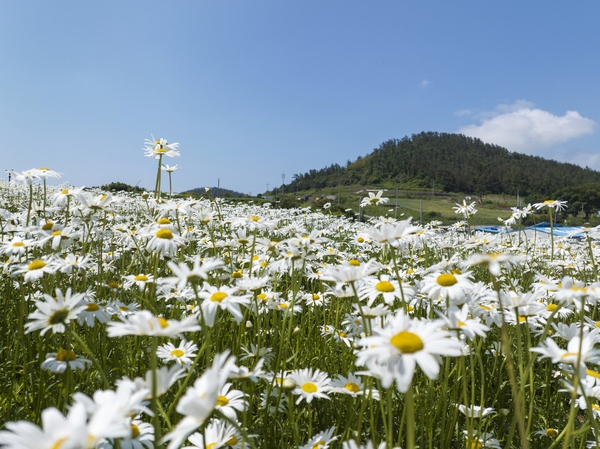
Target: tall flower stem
[158,174]
[30,203]
[507,350]
[154,403]
[551,213]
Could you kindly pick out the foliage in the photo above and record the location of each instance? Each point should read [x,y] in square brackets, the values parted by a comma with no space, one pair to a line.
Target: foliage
[122,187]
[455,163]
[217,191]
[581,198]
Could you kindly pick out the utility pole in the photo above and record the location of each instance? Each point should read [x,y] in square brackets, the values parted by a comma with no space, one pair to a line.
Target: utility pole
[282,181]
[396,208]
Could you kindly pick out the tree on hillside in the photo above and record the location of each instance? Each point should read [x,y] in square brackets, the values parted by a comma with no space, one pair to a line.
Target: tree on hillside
[581,198]
[456,163]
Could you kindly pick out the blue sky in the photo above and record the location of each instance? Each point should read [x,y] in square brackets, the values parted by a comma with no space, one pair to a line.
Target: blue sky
[255,89]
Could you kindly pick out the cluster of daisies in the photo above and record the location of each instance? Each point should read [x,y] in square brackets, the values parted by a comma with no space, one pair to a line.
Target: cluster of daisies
[252,322]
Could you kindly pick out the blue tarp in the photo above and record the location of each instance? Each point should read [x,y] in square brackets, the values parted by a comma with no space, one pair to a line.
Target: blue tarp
[559,229]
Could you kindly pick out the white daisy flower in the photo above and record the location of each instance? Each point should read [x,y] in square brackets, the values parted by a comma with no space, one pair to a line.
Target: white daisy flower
[310,384]
[144,323]
[57,362]
[54,313]
[182,355]
[401,344]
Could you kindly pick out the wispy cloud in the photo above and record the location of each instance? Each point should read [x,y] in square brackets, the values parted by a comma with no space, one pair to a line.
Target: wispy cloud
[523,128]
[463,112]
[425,83]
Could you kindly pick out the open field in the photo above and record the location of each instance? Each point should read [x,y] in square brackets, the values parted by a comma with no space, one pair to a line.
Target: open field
[138,321]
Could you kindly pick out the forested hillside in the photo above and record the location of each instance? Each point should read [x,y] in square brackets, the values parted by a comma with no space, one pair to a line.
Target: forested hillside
[456,163]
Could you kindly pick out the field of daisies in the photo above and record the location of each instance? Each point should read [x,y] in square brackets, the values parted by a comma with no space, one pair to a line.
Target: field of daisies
[141,321]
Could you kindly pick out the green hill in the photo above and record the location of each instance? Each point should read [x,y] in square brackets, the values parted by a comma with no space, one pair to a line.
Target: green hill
[455,163]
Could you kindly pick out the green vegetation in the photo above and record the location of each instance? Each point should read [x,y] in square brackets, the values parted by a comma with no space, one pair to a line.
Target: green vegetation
[216,191]
[122,187]
[450,163]
[584,198]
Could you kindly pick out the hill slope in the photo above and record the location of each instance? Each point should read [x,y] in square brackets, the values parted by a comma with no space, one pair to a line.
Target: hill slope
[456,163]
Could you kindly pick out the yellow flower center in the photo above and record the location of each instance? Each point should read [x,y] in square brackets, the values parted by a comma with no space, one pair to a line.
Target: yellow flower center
[319,444]
[309,387]
[551,307]
[407,342]
[164,234]
[351,386]
[254,218]
[163,322]
[315,297]
[384,287]
[354,262]
[113,284]
[55,233]
[140,277]
[231,441]
[222,401]
[92,307]
[160,150]
[135,431]
[218,296]
[446,280]
[65,355]
[59,443]
[36,265]
[65,191]
[47,226]
[18,244]
[475,444]
[360,240]
[553,433]
[591,373]
[177,353]
[163,221]
[58,316]
[262,296]
[237,274]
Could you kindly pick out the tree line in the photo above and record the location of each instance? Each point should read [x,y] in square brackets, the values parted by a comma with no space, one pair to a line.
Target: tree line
[455,163]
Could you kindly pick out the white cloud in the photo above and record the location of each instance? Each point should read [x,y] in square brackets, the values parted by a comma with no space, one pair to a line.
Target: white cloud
[463,112]
[522,128]
[425,83]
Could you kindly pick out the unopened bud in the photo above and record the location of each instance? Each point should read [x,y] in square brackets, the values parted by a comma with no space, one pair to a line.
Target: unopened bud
[288,384]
